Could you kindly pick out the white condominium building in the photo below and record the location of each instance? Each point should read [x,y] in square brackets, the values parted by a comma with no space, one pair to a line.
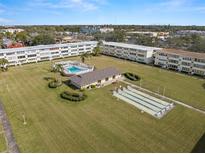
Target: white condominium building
[132,52]
[18,56]
[180,60]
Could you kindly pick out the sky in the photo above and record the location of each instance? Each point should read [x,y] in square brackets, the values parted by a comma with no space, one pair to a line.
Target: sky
[68,12]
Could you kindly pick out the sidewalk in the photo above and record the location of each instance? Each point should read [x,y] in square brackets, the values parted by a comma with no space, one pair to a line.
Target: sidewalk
[12,147]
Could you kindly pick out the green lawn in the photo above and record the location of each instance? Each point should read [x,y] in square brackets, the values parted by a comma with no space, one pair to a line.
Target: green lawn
[2,140]
[187,89]
[101,123]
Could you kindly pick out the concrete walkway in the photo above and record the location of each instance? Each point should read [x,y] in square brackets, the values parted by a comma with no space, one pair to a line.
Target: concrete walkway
[12,147]
[156,94]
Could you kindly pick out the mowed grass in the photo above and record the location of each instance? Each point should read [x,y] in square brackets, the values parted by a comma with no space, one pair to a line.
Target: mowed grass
[2,140]
[188,89]
[101,123]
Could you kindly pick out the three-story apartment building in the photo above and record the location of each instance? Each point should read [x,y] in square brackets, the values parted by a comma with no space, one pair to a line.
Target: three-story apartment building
[18,56]
[180,60]
[132,52]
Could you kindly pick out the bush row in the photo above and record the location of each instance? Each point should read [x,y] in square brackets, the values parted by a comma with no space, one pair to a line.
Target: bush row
[132,76]
[75,97]
[54,84]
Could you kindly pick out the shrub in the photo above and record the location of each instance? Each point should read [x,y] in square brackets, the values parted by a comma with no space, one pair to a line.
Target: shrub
[93,86]
[132,76]
[54,84]
[75,97]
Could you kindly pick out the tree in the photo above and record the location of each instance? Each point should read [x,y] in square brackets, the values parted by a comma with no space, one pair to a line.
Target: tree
[57,69]
[3,64]
[22,36]
[43,39]
[84,56]
[97,50]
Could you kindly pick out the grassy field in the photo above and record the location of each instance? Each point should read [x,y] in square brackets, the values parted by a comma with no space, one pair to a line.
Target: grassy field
[2,140]
[101,123]
[187,89]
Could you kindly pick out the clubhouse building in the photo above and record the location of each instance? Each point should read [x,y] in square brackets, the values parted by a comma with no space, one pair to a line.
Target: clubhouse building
[132,52]
[180,60]
[18,56]
[97,78]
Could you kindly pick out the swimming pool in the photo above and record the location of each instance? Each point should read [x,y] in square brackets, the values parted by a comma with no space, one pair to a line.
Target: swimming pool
[70,68]
[74,69]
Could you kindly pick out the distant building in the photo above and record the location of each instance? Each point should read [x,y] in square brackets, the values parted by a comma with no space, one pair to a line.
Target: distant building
[180,60]
[151,34]
[96,78]
[106,30]
[12,30]
[16,45]
[7,42]
[159,35]
[89,29]
[138,53]
[95,29]
[190,32]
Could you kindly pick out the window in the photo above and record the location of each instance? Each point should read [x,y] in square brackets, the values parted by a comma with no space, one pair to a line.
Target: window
[20,52]
[34,55]
[21,57]
[173,61]
[199,66]
[186,64]
[10,53]
[99,81]
[186,58]
[200,60]
[106,79]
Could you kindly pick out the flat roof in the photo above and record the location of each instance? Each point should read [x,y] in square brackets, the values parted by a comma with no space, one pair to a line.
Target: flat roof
[46,46]
[133,46]
[91,77]
[184,53]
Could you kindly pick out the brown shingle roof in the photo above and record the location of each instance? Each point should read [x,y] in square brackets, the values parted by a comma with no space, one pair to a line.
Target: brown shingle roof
[184,53]
[91,77]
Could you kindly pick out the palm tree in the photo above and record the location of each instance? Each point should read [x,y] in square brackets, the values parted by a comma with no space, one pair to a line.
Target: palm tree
[97,50]
[84,55]
[3,64]
[57,69]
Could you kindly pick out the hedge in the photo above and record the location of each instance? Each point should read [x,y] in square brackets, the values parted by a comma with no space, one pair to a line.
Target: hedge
[54,84]
[75,97]
[132,76]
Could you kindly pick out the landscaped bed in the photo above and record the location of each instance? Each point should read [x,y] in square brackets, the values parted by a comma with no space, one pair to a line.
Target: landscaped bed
[75,97]
[132,76]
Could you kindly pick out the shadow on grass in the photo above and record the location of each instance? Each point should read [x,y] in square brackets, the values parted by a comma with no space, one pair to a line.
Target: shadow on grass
[48,78]
[200,146]
[67,83]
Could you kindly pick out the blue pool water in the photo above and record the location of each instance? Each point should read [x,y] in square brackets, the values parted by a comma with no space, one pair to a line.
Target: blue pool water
[74,69]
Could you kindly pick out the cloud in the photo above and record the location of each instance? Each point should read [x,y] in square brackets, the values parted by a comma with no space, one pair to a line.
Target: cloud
[3,20]
[176,6]
[81,5]
[173,3]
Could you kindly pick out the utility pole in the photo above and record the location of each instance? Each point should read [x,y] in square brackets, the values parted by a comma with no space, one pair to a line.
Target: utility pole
[158,90]
[140,83]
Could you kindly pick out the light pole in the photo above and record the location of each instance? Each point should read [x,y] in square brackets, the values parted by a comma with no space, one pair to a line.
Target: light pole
[24,118]
[164,91]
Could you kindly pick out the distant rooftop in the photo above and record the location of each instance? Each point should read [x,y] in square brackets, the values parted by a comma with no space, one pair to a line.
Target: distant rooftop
[133,46]
[45,46]
[184,53]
